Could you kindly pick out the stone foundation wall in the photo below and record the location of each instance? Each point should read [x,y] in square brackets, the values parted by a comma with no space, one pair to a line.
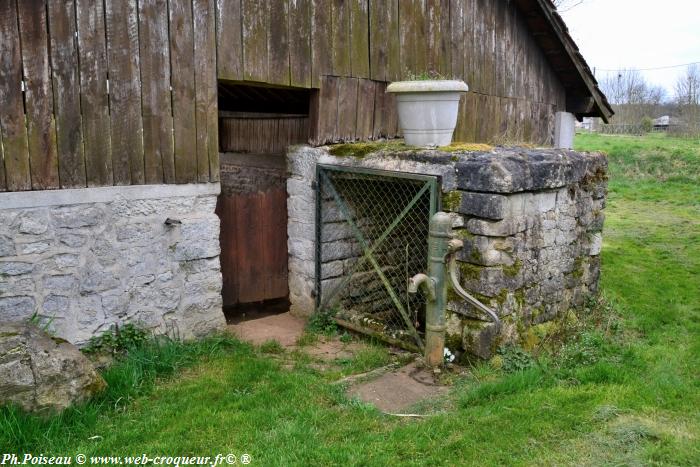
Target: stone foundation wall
[83,260]
[531,220]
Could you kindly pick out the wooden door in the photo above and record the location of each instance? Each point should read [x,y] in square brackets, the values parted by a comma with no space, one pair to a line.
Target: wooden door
[253,212]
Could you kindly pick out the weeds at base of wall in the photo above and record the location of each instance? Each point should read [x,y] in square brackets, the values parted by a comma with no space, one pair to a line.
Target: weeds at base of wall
[118,340]
[589,348]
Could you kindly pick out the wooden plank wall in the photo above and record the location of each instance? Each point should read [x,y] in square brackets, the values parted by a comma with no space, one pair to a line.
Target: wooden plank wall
[63,124]
[340,45]
[107,92]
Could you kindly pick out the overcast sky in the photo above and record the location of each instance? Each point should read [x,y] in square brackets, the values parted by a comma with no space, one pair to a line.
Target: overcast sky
[614,34]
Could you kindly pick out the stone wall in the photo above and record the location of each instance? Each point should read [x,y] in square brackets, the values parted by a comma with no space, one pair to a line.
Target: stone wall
[85,259]
[531,220]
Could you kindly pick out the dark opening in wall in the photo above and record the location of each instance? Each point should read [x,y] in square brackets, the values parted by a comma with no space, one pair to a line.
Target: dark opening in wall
[237,97]
[257,124]
[261,119]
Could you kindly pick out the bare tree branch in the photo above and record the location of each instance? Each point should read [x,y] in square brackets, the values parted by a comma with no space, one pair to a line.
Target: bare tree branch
[566,5]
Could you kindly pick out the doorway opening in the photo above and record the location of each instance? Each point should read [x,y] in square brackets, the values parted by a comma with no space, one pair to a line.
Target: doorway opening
[256,125]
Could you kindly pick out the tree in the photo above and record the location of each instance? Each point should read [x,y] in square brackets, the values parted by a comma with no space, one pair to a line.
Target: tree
[688,99]
[632,97]
[688,87]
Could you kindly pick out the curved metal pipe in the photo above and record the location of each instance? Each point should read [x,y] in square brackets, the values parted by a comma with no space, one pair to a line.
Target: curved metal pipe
[465,295]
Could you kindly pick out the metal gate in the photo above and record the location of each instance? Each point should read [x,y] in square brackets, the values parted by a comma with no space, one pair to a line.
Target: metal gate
[371,237]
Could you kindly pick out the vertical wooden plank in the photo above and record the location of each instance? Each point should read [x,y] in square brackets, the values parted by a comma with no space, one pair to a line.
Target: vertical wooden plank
[300,42]
[469,45]
[340,42]
[457,40]
[393,70]
[154,56]
[500,44]
[391,116]
[359,38]
[422,44]
[255,14]
[471,116]
[205,87]
[408,37]
[278,43]
[517,56]
[212,99]
[378,38]
[274,233]
[94,100]
[379,126]
[510,55]
[327,116]
[3,182]
[479,41]
[432,31]
[226,210]
[66,93]
[490,48]
[347,108]
[41,132]
[250,245]
[229,49]
[126,128]
[365,109]
[445,39]
[183,90]
[437,29]
[321,46]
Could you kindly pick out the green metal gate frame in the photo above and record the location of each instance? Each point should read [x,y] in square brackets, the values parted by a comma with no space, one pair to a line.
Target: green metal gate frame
[431,184]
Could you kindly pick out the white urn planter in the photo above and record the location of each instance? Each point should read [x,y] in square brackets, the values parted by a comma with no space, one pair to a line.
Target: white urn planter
[428,110]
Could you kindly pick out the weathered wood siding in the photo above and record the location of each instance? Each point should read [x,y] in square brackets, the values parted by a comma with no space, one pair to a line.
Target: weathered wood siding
[105,92]
[351,48]
[96,93]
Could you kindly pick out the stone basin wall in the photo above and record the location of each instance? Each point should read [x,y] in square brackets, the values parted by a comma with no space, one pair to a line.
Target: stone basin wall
[531,221]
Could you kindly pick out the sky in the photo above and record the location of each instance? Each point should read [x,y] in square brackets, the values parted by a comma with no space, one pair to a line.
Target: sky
[615,34]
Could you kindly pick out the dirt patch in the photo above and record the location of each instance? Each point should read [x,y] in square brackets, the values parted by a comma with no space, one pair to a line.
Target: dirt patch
[329,349]
[283,328]
[398,390]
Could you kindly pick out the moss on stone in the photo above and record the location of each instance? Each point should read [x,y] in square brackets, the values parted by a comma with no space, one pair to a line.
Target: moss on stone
[470,271]
[451,201]
[361,150]
[520,298]
[512,271]
[578,268]
[465,234]
[502,296]
[466,147]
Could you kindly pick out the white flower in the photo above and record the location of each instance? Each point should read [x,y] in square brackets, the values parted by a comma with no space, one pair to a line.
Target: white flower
[449,357]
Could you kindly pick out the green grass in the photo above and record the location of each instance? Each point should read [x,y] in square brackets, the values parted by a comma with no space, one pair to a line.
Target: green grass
[624,391]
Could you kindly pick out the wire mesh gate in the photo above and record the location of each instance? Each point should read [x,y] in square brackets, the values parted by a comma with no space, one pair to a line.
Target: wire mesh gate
[371,237]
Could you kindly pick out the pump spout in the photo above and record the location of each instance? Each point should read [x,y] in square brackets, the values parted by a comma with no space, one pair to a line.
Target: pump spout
[415,282]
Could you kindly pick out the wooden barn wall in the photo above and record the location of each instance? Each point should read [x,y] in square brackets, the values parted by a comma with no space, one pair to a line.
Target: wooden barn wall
[107,92]
[351,48]
[118,92]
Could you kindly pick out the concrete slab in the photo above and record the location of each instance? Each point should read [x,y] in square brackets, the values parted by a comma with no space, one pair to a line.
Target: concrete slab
[396,391]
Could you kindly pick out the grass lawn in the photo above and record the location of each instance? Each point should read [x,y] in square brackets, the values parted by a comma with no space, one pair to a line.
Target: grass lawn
[626,391]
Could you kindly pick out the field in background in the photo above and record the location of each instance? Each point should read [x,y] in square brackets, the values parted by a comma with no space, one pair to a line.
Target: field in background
[624,390]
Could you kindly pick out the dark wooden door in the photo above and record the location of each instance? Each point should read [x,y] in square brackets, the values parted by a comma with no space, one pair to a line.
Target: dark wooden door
[253,212]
